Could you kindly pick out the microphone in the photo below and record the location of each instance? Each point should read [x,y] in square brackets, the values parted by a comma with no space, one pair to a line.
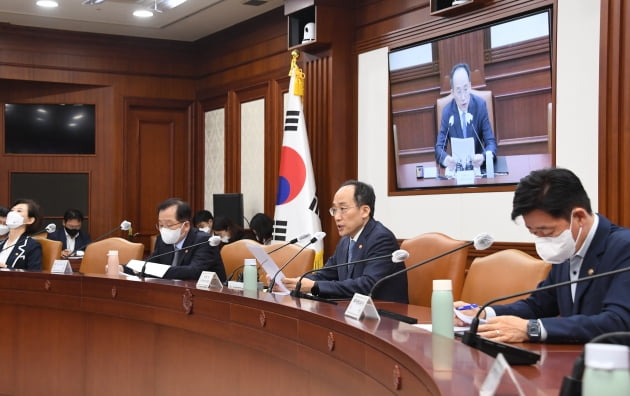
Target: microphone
[451,121]
[513,354]
[481,242]
[469,118]
[50,228]
[124,226]
[214,240]
[317,237]
[299,238]
[397,257]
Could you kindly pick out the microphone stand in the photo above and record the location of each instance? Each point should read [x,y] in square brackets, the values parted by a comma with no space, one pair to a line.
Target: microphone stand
[108,233]
[514,354]
[296,292]
[272,281]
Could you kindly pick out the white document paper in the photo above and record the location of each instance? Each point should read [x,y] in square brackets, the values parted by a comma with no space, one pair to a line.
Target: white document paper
[268,265]
[466,318]
[463,150]
[153,269]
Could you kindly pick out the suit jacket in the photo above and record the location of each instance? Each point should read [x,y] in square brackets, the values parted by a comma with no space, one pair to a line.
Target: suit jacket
[191,261]
[80,243]
[601,305]
[375,241]
[26,254]
[479,128]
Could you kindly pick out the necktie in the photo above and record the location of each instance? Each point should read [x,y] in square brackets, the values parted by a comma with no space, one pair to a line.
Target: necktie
[175,257]
[350,254]
[462,116]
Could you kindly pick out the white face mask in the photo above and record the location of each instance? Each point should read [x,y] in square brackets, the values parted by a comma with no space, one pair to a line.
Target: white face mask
[225,239]
[170,237]
[558,249]
[14,219]
[4,229]
[205,229]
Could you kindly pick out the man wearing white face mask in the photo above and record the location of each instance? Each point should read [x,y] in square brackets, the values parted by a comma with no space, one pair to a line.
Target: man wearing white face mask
[177,235]
[557,211]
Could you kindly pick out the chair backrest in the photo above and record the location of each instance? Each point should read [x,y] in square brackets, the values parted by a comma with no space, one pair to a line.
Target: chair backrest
[301,263]
[451,266]
[51,251]
[502,273]
[485,95]
[233,255]
[95,257]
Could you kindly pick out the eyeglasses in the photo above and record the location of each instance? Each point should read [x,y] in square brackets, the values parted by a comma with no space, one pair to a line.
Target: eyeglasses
[342,210]
[158,226]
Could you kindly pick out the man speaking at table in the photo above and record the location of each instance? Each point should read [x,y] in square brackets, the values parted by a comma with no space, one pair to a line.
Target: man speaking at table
[466,116]
[557,210]
[362,238]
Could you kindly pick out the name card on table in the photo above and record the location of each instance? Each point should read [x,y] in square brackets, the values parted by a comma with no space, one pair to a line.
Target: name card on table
[61,267]
[209,279]
[361,306]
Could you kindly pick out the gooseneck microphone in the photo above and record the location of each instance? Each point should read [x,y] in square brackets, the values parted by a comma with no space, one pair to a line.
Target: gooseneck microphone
[481,242]
[299,238]
[451,120]
[50,228]
[214,240]
[515,355]
[397,257]
[317,237]
[124,226]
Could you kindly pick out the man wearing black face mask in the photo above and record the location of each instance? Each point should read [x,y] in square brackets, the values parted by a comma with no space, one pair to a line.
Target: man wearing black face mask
[557,211]
[70,234]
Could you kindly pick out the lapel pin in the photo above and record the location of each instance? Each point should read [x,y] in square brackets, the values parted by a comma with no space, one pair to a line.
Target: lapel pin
[590,271]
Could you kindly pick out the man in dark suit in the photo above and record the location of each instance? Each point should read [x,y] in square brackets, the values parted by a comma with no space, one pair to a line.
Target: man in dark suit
[70,235]
[557,210]
[353,210]
[466,116]
[178,236]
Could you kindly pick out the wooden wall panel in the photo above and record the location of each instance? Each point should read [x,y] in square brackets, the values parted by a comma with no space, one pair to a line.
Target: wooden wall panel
[614,118]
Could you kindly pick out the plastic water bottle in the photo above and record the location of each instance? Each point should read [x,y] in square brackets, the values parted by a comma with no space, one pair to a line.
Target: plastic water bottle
[606,370]
[250,275]
[489,165]
[112,262]
[442,308]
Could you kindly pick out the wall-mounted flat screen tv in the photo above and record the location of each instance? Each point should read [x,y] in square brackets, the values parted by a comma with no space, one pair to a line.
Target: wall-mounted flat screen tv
[445,123]
[49,128]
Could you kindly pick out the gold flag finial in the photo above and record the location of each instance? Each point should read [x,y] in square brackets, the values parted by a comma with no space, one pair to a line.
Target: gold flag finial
[298,85]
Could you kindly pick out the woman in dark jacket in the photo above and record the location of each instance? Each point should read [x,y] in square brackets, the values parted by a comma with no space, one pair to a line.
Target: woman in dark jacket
[19,250]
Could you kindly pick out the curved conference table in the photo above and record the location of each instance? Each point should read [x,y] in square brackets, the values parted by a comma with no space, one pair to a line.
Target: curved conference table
[97,335]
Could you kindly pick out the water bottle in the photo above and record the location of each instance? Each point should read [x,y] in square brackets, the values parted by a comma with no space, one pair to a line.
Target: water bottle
[605,370]
[489,165]
[112,262]
[442,308]
[250,275]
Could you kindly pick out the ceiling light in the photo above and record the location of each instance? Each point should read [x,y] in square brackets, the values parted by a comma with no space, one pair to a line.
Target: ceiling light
[173,3]
[47,3]
[92,2]
[142,13]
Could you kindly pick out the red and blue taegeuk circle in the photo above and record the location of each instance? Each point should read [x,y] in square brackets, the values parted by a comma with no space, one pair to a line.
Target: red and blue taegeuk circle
[292,175]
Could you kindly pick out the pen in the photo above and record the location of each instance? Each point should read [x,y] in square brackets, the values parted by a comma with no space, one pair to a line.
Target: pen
[469,306]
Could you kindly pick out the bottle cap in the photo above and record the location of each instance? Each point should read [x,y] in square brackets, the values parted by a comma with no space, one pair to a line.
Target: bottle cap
[250,261]
[112,253]
[606,356]
[442,284]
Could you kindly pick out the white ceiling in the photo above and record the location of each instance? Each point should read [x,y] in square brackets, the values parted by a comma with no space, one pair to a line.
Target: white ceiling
[190,21]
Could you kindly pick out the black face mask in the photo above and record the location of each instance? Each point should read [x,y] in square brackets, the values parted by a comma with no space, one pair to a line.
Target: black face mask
[72,231]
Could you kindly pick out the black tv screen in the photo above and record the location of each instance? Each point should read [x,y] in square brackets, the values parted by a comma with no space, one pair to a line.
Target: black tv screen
[49,128]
